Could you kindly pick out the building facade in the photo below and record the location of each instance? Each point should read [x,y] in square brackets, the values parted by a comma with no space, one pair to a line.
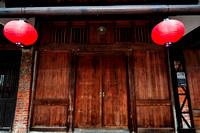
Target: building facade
[99,74]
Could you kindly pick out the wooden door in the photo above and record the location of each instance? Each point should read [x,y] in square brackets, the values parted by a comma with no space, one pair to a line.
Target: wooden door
[153,100]
[50,101]
[88,81]
[101,93]
[114,82]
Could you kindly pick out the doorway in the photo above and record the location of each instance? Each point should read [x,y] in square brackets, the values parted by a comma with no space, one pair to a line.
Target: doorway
[9,76]
[101,92]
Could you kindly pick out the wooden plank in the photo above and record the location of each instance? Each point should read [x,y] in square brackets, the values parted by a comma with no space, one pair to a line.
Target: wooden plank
[102,47]
[52,75]
[71,93]
[152,89]
[45,33]
[101,53]
[51,102]
[154,116]
[132,94]
[47,129]
[154,103]
[101,92]
[156,130]
[87,113]
[8,46]
[151,75]
[101,130]
[192,64]
[115,109]
[49,116]
[107,38]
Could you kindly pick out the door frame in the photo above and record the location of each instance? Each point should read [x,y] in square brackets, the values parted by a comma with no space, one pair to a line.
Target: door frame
[132,119]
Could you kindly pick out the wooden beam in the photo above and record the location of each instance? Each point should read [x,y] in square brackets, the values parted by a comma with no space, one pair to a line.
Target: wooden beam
[100,10]
[154,103]
[132,97]
[71,90]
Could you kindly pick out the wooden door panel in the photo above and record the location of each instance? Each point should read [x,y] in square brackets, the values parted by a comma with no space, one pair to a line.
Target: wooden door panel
[107,75]
[52,75]
[50,116]
[154,108]
[50,103]
[154,116]
[87,104]
[151,75]
[115,112]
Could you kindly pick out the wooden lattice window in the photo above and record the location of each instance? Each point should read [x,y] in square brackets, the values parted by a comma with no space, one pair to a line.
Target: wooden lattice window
[142,34]
[124,34]
[60,34]
[79,35]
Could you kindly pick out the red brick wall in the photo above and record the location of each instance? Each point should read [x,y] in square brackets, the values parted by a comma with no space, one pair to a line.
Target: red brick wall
[23,96]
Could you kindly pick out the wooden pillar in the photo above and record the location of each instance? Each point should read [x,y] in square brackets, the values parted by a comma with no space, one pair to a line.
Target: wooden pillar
[71,93]
[132,96]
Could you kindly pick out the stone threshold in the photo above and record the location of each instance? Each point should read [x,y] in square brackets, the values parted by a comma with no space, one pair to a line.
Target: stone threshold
[100,130]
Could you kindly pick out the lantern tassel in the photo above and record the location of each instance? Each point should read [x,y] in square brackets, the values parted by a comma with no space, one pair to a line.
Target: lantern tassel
[168,44]
[19,44]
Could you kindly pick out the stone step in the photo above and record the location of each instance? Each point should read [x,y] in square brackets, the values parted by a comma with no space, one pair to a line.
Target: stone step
[86,130]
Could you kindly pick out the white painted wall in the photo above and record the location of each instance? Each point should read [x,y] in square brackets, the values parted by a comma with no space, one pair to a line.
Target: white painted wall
[191,22]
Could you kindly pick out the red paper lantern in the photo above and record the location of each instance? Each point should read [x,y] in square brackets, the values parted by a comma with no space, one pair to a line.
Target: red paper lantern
[167,32]
[20,33]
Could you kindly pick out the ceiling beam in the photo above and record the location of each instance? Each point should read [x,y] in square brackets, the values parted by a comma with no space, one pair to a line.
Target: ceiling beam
[100,10]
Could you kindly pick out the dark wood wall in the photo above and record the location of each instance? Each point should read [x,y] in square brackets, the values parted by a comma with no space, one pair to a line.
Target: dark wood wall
[120,70]
[152,91]
[192,63]
[79,34]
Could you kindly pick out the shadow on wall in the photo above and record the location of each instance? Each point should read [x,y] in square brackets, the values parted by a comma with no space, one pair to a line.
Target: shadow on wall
[190,22]
[3,39]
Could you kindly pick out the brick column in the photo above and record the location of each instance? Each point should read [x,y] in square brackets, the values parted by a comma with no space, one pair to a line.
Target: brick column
[23,96]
